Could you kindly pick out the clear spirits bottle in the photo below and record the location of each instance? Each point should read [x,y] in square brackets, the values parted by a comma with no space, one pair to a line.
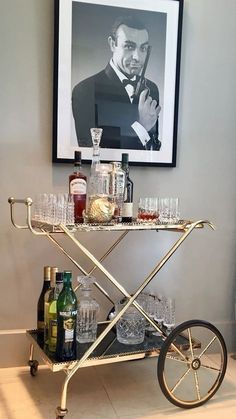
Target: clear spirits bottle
[117,189]
[88,309]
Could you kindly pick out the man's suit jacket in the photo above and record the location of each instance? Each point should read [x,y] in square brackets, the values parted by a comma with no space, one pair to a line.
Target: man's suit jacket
[102,101]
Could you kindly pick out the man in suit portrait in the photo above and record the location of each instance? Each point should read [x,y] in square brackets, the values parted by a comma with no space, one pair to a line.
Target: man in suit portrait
[120,99]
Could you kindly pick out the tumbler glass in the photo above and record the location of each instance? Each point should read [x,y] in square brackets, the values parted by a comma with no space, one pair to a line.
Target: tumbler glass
[130,328]
[169,210]
[148,209]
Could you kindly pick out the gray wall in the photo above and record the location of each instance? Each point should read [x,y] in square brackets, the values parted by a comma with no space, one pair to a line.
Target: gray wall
[201,275]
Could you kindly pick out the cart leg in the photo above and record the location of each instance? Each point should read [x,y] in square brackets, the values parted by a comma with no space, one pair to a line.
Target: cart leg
[33,363]
[60,413]
[61,410]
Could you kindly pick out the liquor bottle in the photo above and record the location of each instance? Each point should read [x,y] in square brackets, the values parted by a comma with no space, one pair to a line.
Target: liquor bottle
[117,189]
[88,309]
[78,188]
[40,307]
[52,313]
[66,321]
[127,207]
[48,297]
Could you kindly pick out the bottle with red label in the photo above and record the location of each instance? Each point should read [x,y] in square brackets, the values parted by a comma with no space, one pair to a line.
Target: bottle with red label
[78,188]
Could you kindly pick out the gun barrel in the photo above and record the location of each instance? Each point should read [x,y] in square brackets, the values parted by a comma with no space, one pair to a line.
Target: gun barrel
[142,76]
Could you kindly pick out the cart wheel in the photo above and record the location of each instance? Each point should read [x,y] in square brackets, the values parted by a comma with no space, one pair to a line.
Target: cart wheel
[33,367]
[192,363]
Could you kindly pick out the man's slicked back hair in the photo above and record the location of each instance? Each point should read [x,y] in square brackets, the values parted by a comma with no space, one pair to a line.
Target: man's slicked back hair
[130,21]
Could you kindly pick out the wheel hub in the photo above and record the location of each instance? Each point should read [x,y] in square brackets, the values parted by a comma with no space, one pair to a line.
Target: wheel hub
[196,363]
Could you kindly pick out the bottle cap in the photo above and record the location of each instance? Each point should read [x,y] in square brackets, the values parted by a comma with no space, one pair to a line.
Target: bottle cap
[125,158]
[86,281]
[54,270]
[47,273]
[77,156]
[67,276]
[59,277]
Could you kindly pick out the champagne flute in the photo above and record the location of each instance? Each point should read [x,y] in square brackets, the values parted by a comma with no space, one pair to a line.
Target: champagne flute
[169,315]
[159,313]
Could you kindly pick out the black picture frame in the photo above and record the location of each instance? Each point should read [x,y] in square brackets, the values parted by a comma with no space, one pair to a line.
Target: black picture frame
[79,31]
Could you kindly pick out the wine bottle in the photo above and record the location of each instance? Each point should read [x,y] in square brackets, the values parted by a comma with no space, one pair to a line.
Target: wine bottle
[66,321]
[78,188]
[40,306]
[52,313]
[48,297]
[127,207]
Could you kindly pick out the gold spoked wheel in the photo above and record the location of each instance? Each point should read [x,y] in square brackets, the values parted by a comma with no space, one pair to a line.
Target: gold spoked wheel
[192,363]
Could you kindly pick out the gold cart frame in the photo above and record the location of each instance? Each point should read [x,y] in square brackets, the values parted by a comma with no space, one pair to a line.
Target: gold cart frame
[185,228]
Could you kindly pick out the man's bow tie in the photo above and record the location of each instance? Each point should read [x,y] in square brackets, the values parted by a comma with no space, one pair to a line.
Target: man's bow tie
[125,82]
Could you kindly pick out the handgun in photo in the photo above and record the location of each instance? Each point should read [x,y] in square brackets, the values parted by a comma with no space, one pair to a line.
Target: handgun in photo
[141,83]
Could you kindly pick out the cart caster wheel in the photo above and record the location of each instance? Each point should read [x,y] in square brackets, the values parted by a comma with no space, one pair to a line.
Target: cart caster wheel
[33,367]
[192,363]
[60,413]
[111,314]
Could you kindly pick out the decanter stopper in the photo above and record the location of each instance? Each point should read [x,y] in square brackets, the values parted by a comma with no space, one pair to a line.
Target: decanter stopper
[96,134]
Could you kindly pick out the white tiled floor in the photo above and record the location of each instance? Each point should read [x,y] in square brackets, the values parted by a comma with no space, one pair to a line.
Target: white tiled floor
[128,390]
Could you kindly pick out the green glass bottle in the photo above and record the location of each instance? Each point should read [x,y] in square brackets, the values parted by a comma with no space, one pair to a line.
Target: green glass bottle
[48,298]
[52,313]
[66,321]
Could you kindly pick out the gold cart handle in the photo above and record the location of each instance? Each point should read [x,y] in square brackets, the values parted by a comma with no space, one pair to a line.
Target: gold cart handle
[28,202]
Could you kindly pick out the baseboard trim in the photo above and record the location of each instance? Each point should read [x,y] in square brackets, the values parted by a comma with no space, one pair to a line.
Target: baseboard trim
[12,331]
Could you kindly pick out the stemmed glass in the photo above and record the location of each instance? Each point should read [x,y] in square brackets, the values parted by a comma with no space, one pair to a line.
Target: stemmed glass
[159,313]
[169,315]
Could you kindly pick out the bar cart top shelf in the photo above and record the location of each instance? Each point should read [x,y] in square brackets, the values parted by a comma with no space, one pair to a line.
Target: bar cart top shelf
[181,226]
[38,227]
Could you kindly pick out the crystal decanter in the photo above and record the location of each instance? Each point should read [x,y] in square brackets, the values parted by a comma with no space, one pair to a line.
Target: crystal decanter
[100,208]
[88,309]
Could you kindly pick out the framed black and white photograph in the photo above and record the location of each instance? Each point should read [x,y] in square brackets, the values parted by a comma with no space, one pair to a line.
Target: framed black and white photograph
[117,67]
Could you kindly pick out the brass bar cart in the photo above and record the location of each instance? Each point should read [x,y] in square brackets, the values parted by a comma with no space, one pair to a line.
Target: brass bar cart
[192,359]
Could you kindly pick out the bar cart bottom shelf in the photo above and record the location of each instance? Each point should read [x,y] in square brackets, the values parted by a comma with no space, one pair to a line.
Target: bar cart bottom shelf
[191,366]
[108,351]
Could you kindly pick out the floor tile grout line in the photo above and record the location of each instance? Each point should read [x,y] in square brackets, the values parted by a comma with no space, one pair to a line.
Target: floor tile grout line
[106,391]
